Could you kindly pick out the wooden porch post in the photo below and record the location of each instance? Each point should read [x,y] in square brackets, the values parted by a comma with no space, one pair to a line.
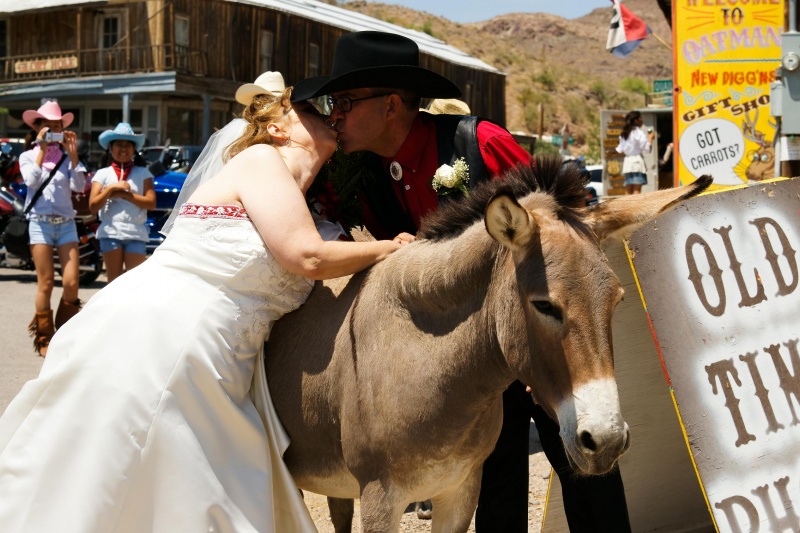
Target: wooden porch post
[206,118]
[126,108]
[155,15]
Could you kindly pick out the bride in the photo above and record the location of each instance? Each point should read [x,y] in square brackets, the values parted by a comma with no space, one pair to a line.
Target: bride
[151,411]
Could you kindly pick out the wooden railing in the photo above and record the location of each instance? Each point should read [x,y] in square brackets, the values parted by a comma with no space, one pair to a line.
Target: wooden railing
[121,60]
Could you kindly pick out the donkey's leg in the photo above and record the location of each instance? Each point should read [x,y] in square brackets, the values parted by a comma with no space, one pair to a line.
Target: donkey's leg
[453,510]
[381,509]
[341,511]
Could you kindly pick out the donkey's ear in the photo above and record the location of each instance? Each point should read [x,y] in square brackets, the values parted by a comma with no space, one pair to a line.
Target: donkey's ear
[507,222]
[620,217]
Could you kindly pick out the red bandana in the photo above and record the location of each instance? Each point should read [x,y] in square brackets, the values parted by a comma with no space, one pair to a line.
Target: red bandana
[123,171]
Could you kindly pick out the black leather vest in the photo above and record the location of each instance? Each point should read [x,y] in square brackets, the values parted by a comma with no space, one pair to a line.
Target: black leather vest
[456,137]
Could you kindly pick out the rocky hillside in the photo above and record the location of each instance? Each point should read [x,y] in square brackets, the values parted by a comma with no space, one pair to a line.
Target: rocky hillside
[561,63]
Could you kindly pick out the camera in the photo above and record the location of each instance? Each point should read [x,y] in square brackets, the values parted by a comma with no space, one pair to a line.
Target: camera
[52,136]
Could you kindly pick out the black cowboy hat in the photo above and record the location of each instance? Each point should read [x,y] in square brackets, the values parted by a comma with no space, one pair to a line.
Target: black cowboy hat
[376,59]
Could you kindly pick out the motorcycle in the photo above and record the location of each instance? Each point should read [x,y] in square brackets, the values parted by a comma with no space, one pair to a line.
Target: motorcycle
[91,259]
[9,165]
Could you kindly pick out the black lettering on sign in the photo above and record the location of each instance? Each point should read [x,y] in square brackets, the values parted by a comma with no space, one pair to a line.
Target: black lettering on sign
[786,250]
[790,383]
[748,510]
[726,374]
[786,281]
[720,371]
[697,278]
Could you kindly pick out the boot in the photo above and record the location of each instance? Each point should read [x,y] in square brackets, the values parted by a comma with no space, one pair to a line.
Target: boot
[42,330]
[66,311]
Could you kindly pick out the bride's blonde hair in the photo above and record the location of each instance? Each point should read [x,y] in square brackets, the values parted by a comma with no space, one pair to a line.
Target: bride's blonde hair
[265,109]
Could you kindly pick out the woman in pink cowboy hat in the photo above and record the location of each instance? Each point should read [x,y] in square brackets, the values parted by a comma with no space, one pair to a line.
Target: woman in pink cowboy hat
[52,170]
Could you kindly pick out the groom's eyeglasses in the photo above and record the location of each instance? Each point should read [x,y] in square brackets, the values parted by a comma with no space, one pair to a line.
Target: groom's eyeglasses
[345,104]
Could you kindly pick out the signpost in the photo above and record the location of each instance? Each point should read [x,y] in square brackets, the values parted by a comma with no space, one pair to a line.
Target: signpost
[720,282]
[708,365]
[44,65]
[725,58]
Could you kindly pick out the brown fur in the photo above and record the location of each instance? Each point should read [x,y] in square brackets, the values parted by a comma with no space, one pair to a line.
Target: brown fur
[389,383]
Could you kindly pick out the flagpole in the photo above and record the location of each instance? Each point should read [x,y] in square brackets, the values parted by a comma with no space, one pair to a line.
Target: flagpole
[662,41]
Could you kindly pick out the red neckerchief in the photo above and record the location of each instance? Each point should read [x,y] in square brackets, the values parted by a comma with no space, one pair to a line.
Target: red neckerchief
[123,171]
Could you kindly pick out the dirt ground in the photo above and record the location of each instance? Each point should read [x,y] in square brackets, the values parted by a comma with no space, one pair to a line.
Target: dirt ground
[19,365]
[537,496]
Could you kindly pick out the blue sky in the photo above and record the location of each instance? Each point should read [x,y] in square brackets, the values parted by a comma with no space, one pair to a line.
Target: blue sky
[478,10]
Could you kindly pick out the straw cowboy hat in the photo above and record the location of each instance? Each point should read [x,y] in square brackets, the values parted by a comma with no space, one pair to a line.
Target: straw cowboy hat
[376,59]
[448,106]
[268,83]
[123,132]
[48,111]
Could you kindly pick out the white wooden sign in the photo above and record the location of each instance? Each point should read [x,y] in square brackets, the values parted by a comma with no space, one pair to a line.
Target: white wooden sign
[719,277]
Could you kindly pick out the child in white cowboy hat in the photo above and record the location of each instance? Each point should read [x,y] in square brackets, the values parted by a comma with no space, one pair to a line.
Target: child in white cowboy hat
[121,194]
[52,171]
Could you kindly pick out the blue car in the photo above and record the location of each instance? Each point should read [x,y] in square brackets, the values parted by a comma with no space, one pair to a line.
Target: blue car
[167,185]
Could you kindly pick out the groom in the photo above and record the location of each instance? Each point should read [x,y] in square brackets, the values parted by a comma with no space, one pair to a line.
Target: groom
[374,93]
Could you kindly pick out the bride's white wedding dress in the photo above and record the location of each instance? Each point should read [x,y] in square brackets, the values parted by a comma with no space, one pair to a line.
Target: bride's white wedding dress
[151,411]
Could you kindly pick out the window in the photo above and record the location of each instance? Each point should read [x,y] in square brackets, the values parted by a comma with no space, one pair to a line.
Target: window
[265,47]
[109,30]
[313,60]
[3,38]
[3,45]
[182,30]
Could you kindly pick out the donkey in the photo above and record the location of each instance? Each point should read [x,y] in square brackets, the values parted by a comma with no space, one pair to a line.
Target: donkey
[389,383]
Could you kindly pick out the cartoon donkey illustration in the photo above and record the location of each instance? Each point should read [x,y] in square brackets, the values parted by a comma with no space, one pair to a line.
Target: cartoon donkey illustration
[761,161]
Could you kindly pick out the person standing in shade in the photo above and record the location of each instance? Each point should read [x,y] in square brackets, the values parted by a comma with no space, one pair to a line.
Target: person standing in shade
[374,94]
[121,194]
[633,142]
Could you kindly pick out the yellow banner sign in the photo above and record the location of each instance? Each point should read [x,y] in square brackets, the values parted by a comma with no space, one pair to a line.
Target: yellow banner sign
[726,53]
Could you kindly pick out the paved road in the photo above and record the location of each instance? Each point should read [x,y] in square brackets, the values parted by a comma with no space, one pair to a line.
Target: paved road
[18,361]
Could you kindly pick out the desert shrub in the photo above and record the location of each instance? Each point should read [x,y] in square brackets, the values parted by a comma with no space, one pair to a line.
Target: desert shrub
[600,91]
[576,107]
[594,152]
[634,84]
[546,78]
[545,148]
[530,117]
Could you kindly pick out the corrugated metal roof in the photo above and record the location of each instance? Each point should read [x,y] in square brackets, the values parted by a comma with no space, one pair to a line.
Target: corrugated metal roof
[33,5]
[354,21]
[314,10]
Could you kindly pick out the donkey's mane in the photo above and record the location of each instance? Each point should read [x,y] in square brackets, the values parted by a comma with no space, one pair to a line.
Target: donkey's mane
[564,182]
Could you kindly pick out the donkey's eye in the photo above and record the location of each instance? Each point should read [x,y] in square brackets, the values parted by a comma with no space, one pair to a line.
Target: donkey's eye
[546,308]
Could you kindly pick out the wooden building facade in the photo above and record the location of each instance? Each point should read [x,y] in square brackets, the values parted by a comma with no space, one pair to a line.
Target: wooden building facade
[171,67]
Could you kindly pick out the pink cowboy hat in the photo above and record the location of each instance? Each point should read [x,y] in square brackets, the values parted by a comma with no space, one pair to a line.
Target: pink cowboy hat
[48,111]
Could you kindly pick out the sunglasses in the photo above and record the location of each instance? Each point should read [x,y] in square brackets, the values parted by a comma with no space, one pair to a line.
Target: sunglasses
[345,104]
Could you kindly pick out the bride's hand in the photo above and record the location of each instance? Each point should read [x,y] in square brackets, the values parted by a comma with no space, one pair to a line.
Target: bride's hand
[404,238]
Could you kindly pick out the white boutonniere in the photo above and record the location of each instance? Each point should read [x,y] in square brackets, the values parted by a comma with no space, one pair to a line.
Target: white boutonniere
[447,178]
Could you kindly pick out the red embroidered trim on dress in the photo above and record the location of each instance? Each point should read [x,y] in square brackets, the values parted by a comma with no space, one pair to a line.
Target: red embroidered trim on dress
[213,211]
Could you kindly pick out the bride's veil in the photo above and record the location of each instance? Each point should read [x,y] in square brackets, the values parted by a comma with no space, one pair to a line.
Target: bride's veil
[207,165]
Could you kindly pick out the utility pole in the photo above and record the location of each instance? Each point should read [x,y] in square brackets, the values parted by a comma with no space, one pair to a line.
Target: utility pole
[541,120]
[787,96]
